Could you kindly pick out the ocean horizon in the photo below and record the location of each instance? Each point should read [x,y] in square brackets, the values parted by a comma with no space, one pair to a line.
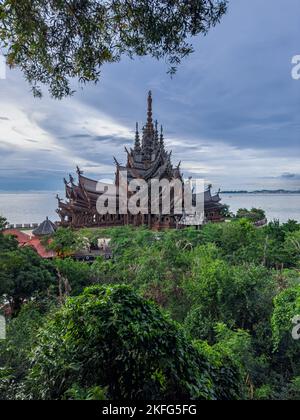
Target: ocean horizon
[34,207]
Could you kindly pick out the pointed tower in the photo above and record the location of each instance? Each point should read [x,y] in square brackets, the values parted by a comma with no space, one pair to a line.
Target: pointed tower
[149,126]
[156,137]
[148,133]
[137,143]
[162,140]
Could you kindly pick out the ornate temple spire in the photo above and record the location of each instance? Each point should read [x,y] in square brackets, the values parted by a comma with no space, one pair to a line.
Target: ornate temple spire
[156,136]
[148,143]
[162,140]
[149,126]
[137,144]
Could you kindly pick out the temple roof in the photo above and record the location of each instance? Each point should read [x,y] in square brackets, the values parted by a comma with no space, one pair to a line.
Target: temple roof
[148,159]
[45,228]
[89,185]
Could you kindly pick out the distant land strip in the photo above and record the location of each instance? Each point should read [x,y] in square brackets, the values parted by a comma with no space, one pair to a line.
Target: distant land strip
[262,192]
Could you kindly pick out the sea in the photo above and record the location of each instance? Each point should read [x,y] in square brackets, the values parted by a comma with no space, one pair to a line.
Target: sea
[25,208]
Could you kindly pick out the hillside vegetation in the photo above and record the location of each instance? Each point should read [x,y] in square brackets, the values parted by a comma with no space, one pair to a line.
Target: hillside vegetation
[201,314]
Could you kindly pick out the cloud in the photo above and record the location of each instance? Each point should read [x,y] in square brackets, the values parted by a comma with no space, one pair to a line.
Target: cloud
[289,176]
[231,113]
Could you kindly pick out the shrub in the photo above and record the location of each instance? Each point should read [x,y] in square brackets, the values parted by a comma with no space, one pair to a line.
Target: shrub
[113,339]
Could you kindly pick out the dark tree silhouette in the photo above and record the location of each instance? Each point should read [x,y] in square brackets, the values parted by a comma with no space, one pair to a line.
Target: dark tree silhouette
[56,40]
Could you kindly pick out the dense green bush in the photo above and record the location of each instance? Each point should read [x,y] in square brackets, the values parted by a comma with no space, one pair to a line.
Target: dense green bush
[21,336]
[255,215]
[112,338]
[286,348]
[78,274]
[23,276]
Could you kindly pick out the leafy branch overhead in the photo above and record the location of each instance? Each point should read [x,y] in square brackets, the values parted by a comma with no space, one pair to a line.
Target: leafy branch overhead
[54,41]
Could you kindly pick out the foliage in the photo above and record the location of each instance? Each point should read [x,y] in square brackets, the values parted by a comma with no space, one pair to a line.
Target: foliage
[23,276]
[15,350]
[293,392]
[95,393]
[7,243]
[286,348]
[112,338]
[234,289]
[66,241]
[225,372]
[292,247]
[3,223]
[225,212]
[53,42]
[255,215]
[200,326]
[78,274]
[236,295]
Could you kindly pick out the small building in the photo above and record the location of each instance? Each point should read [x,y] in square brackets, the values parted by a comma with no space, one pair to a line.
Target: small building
[46,228]
[33,238]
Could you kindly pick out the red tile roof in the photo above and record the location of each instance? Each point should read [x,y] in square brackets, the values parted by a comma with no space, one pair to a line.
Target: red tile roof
[30,240]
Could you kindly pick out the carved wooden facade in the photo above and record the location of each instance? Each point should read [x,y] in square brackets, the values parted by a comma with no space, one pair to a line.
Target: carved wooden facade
[148,160]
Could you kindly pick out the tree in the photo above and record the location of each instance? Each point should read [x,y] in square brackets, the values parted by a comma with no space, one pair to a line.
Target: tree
[225,212]
[23,276]
[292,248]
[15,350]
[239,346]
[255,215]
[240,296]
[66,241]
[8,243]
[54,41]
[3,223]
[286,348]
[78,274]
[111,338]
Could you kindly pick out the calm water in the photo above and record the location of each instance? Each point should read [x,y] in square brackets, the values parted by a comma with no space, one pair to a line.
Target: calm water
[35,207]
[276,206]
[28,208]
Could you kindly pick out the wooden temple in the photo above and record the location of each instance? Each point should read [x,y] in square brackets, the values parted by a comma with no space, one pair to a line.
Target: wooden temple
[148,159]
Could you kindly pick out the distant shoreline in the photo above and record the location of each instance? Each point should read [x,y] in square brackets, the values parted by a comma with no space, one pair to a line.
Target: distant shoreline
[261,192]
[271,192]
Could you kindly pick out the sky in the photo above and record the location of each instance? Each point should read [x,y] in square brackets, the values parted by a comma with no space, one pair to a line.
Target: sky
[231,114]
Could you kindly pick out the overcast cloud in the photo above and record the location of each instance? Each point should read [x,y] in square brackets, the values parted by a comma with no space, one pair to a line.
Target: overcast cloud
[231,113]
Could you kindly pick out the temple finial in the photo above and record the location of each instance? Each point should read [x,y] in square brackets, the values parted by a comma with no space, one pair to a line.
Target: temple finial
[137,144]
[156,136]
[116,162]
[162,142]
[149,113]
[79,172]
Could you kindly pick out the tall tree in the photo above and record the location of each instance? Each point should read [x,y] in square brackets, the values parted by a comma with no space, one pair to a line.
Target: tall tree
[3,223]
[24,276]
[52,41]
